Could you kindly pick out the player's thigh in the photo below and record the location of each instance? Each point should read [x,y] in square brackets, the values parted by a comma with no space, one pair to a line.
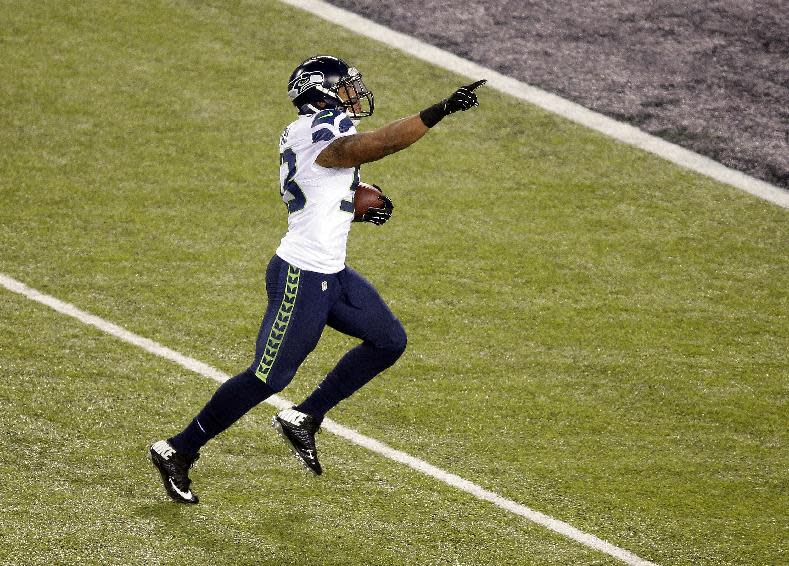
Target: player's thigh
[362,312]
[294,320]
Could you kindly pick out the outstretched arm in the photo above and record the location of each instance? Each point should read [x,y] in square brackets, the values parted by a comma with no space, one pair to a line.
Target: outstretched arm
[352,151]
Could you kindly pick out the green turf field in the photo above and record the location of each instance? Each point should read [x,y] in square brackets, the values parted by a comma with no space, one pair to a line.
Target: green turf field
[593,332]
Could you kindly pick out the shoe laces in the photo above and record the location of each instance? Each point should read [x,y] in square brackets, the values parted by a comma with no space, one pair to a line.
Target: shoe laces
[181,472]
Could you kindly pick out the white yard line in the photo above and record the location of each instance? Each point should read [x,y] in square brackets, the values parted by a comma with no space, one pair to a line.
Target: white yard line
[551,102]
[349,434]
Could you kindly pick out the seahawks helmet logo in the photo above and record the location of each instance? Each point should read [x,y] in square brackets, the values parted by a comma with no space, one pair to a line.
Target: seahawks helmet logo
[304,82]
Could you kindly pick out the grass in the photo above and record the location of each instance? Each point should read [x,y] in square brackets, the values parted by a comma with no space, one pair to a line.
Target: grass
[593,332]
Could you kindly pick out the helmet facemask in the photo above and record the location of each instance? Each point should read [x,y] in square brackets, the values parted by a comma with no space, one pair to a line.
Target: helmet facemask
[354,96]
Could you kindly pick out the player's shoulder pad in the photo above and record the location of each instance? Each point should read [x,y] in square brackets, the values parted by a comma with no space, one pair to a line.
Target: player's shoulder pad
[326,116]
[327,124]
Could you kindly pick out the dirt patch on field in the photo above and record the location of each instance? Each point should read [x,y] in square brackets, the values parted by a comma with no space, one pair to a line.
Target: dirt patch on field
[710,76]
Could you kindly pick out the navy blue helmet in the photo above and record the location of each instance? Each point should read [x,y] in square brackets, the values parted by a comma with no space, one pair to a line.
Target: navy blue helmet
[323,82]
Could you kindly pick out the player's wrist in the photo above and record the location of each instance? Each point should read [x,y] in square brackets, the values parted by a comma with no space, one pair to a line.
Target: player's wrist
[432,115]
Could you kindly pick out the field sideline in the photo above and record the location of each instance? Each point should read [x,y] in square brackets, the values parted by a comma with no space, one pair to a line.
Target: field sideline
[593,331]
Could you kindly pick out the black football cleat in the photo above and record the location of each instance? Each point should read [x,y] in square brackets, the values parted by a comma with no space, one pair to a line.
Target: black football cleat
[174,469]
[299,429]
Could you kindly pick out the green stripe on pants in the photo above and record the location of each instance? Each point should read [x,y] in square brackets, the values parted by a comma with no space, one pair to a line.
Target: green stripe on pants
[281,321]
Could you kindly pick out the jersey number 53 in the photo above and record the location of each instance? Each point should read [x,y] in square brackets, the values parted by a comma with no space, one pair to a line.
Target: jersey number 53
[290,190]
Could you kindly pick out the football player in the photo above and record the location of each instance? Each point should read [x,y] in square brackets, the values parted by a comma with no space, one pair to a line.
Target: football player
[307,282]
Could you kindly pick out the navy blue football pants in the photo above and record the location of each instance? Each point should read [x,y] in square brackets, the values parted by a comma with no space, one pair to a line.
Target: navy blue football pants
[300,305]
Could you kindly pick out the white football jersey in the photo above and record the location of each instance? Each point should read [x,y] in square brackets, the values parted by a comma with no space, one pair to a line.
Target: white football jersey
[319,199]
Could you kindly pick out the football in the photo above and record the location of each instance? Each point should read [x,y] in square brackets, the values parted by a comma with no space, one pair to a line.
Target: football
[365,197]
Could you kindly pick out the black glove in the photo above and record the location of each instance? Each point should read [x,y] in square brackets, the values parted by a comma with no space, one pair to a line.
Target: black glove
[379,215]
[462,99]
